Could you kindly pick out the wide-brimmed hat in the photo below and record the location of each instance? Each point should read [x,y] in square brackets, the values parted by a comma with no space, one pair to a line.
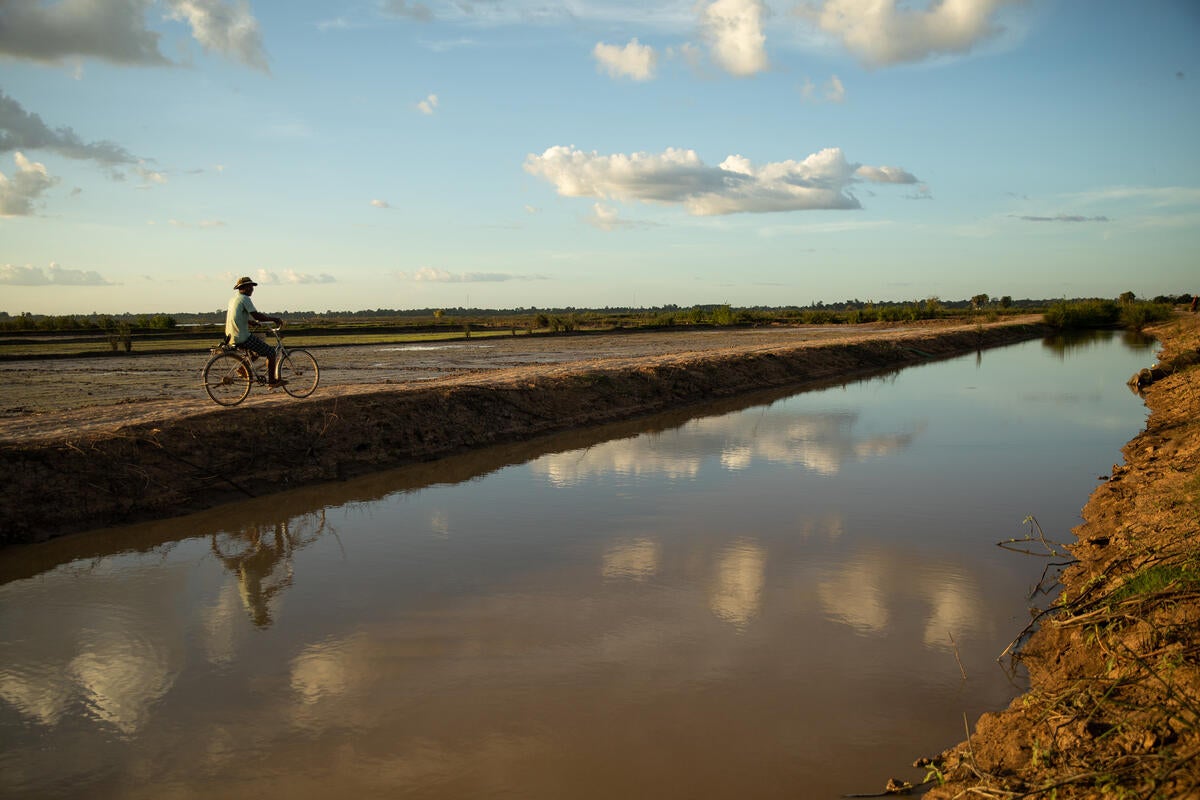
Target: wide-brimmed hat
[244,281]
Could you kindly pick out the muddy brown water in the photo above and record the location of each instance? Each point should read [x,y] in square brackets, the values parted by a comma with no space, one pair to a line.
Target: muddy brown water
[768,600]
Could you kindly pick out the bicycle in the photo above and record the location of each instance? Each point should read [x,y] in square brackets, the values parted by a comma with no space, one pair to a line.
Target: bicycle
[230,372]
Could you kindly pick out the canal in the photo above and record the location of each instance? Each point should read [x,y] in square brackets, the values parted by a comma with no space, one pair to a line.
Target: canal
[789,596]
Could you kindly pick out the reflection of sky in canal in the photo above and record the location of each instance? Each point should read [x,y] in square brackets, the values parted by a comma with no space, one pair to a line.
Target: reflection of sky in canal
[740,605]
[821,442]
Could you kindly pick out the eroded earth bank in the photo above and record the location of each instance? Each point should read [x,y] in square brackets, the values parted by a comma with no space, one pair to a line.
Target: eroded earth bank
[1114,662]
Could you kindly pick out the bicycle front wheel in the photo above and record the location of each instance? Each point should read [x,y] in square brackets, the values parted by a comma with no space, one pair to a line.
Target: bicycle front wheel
[300,371]
[227,379]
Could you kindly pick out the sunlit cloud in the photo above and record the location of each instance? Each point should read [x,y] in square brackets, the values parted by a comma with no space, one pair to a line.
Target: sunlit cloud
[377,203]
[204,224]
[820,181]
[11,275]
[832,91]
[150,177]
[21,194]
[634,60]
[607,218]
[435,275]
[733,29]
[229,29]
[428,105]
[884,32]
[1154,196]
[266,276]
[291,276]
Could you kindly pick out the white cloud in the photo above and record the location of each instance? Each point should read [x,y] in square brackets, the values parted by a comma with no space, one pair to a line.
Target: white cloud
[734,31]
[885,175]
[833,91]
[335,24]
[20,194]
[149,176]
[820,181]
[11,275]
[291,276]
[428,105]
[634,60]
[227,28]
[882,33]
[116,30]
[607,218]
[1155,196]
[204,223]
[436,275]
[604,217]
[377,203]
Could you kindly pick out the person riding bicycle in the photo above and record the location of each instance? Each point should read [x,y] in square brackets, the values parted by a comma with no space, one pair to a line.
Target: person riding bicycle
[237,326]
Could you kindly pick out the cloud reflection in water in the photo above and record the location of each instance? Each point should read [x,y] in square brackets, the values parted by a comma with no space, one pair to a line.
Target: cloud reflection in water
[822,442]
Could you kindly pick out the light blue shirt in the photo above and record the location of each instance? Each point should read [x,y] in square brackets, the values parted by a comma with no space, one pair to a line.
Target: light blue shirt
[237,320]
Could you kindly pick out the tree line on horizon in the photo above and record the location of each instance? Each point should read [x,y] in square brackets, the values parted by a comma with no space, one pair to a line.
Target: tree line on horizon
[1077,312]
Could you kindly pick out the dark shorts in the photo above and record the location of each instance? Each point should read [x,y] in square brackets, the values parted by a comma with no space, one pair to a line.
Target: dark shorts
[257,345]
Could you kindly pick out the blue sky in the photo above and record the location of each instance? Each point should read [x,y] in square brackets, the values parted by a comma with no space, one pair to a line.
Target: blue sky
[516,153]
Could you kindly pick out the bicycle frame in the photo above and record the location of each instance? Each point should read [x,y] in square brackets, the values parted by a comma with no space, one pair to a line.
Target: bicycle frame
[231,371]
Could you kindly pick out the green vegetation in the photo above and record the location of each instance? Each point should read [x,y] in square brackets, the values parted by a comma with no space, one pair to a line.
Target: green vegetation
[1157,578]
[1082,314]
[1126,311]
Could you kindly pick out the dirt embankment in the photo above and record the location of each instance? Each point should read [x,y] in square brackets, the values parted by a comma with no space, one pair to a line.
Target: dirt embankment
[62,472]
[1114,704]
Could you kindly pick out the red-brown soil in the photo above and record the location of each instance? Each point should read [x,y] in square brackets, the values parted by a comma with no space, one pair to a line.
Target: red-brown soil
[1114,664]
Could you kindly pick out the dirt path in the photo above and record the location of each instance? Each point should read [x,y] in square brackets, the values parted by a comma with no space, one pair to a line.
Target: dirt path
[50,399]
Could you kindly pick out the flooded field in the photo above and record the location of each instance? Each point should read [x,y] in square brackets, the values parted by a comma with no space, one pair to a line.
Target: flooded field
[789,599]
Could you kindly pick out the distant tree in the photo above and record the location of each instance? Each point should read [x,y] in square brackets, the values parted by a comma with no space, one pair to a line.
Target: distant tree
[1006,301]
[979,301]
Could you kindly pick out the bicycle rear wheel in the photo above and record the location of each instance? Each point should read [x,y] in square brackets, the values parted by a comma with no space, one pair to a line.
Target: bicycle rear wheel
[227,379]
[300,371]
